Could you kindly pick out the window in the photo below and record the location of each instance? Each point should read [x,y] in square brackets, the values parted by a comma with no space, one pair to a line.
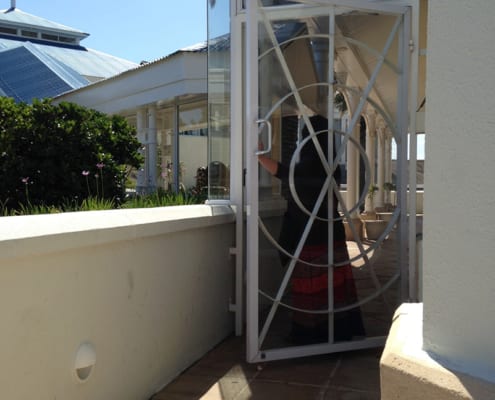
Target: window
[219,99]
[47,36]
[10,31]
[31,34]
[65,39]
[193,142]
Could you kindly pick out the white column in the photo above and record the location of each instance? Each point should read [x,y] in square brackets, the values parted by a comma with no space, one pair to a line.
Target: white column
[352,160]
[151,173]
[352,172]
[380,173]
[175,150]
[141,135]
[371,155]
[388,155]
[388,164]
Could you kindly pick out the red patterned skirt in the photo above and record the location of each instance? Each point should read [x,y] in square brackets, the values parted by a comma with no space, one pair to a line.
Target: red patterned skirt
[309,290]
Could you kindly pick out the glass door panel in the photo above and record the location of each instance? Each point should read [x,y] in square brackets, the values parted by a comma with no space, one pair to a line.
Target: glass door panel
[193,137]
[219,53]
[319,283]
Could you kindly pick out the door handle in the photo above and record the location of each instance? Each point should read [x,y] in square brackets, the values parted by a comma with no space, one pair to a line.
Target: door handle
[261,123]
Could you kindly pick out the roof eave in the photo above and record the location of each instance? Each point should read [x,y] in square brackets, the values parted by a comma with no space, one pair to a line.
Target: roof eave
[66,32]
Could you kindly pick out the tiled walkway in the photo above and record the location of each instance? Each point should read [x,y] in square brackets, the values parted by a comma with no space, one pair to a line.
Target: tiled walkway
[223,375]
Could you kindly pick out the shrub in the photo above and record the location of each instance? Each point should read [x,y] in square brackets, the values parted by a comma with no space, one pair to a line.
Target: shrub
[45,148]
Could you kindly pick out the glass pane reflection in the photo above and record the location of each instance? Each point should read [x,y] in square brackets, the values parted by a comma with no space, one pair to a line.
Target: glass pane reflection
[219,99]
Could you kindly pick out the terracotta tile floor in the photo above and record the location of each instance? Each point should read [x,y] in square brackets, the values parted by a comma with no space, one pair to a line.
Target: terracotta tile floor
[224,375]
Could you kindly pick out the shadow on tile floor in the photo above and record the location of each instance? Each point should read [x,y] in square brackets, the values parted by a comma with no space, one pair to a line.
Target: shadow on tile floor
[223,374]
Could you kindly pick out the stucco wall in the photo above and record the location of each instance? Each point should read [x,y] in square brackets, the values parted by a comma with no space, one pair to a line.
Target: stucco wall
[149,289]
[459,228]
[177,75]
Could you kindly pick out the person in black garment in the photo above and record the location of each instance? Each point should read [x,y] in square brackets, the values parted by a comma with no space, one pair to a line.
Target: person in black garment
[309,284]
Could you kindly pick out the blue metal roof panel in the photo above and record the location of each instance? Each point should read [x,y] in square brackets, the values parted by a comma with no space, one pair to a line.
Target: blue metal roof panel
[25,74]
[68,74]
[90,62]
[85,61]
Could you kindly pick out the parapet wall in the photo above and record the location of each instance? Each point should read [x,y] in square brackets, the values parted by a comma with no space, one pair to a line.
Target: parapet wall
[409,373]
[142,294]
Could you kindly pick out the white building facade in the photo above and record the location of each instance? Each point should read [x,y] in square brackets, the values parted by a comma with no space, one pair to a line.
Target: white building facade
[166,102]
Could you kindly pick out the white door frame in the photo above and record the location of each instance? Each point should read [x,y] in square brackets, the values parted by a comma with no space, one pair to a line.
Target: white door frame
[251,18]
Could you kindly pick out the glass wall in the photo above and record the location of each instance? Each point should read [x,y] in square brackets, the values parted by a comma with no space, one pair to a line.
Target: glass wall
[193,138]
[219,99]
[165,135]
[175,158]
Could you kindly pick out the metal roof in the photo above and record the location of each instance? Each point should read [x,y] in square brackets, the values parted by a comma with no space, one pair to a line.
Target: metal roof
[27,73]
[36,68]
[17,17]
[87,62]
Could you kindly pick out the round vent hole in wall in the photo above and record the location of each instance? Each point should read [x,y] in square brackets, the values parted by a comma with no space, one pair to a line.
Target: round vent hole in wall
[85,361]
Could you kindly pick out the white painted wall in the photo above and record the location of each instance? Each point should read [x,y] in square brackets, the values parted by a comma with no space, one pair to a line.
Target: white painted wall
[183,73]
[459,230]
[149,288]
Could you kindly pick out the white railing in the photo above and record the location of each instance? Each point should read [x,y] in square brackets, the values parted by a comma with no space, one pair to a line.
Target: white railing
[111,304]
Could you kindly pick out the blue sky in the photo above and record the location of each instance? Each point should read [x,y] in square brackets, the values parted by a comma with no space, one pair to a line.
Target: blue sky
[134,30]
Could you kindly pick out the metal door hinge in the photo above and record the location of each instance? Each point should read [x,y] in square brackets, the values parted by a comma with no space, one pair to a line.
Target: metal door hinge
[411,46]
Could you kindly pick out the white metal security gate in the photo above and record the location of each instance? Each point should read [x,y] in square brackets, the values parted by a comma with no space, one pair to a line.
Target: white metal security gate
[299,54]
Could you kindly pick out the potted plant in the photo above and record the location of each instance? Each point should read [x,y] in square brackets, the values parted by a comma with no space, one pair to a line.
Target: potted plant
[373,225]
[374,228]
[385,213]
[388,187]
[369,208]
[371,194]
[357,222]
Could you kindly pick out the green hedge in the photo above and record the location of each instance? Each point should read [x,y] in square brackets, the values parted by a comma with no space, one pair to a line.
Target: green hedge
[55,154]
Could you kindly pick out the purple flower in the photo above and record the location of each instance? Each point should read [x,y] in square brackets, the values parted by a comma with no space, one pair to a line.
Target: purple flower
[100,165]
[85,173]
[25,180]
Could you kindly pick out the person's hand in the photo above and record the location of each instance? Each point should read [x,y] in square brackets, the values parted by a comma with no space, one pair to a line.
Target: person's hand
[266,162]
